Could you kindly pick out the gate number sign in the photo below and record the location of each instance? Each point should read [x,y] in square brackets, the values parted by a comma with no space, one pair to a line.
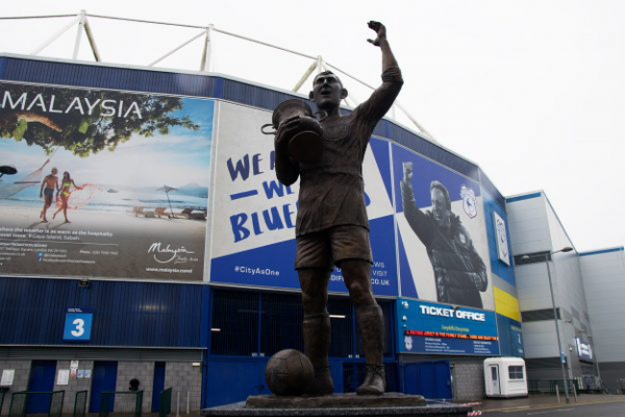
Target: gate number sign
[77,324]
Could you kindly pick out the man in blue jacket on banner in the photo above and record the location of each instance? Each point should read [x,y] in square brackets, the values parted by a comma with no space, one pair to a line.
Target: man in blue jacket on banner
[459,271]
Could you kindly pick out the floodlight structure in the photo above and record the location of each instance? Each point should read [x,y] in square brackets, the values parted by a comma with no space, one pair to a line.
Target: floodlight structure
[318,64]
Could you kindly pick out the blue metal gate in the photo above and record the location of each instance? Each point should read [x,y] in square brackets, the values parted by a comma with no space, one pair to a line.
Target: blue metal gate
[41,380]
[104,379]
[158,385]
[430,379]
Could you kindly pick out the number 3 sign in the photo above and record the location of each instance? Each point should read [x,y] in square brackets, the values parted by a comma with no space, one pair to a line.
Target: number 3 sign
[77,325]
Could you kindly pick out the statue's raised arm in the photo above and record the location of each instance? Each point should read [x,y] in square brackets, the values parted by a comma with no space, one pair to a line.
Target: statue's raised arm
[388,59]
[383,97]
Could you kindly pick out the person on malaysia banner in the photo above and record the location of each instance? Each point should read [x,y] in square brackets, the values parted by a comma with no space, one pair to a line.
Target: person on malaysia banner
[63,195]
[459,271]
[332,226]
[49,185]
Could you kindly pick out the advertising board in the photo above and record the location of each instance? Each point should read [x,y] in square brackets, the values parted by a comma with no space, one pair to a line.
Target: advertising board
[109,184]
[433,328]
[135,202]
[443,247]
[253,223]
[584,349]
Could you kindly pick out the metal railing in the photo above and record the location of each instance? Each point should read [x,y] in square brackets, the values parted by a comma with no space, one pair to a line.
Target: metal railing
[20,400]
[121,403]
[80,404]
[548,386]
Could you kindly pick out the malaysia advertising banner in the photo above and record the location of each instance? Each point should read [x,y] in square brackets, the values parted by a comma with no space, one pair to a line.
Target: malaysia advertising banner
[433,328]
[253,222]
[108,183]
[443,246]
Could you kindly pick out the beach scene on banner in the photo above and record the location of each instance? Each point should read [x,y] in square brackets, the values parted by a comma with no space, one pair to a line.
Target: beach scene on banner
[103,183]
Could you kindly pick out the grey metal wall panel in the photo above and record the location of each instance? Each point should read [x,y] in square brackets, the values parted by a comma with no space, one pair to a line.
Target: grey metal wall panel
[529,227]
[604,284]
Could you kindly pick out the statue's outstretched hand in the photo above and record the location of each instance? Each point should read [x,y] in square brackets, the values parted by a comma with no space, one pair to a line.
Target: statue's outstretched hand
[380,30]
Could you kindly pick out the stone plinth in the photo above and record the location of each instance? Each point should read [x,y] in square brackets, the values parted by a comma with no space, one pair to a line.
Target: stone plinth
[341,405]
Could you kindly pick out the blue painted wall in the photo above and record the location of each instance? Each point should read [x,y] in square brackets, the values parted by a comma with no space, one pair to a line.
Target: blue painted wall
[510,337]
[503,271]
[32,311]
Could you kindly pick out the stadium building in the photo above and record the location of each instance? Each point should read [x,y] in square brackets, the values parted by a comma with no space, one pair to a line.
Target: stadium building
[176,268]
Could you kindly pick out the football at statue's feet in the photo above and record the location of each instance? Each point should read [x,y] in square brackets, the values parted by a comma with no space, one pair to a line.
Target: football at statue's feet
[289,372]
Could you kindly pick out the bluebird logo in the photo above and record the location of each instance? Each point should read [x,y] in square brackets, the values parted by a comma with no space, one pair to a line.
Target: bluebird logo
[469,203]
[408,342]
[40,256]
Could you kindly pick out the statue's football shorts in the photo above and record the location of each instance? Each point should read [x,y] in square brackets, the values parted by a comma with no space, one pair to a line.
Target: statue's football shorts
[329,247]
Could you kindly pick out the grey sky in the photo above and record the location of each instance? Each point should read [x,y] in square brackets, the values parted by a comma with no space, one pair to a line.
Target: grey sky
[532,91]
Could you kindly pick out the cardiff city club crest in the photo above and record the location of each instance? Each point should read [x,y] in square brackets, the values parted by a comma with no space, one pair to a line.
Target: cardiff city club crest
[469,203]
[408,342]
[502,238]
[501,235]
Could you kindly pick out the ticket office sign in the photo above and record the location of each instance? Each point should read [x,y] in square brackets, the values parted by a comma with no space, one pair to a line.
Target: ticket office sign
[432,328]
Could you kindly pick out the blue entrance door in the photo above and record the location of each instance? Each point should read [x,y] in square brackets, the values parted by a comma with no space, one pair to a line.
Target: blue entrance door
[41,380]
[104,379]
[430,379]
[158,385]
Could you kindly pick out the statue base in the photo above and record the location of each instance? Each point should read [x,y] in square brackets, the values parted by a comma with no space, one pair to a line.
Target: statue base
[341,405]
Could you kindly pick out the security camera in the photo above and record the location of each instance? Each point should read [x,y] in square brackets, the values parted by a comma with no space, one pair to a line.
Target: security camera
[84,283]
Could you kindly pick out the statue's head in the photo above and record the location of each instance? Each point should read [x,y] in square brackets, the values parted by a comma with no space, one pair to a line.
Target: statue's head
[327,91]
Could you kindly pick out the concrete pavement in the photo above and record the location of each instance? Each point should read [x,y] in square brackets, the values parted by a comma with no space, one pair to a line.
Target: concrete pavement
[539,402]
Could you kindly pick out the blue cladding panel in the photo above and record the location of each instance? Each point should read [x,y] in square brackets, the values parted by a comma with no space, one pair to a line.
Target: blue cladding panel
[523,197]
[503,271]
[36,71]
[3,66]
[510,337]
[253,95]
[490,187]
[428,149]
[32,311]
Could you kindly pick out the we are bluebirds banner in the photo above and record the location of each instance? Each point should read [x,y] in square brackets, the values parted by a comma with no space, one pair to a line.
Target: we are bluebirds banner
[253,222]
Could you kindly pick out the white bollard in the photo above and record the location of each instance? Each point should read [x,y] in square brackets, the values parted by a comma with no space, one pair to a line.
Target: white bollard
[178,404]
[575,392]
[558,393]
[188,401]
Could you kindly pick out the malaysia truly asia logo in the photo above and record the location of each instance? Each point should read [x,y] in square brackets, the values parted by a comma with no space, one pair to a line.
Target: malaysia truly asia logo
[167,254]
